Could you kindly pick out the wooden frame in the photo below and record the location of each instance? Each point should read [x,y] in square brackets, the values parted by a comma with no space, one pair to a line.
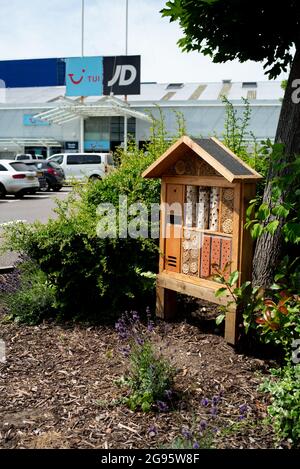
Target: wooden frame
[171,279]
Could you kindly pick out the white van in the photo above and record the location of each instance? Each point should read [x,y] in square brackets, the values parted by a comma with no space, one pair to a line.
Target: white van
[80,166]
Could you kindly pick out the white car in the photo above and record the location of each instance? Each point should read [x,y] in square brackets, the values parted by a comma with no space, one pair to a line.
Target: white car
[16,179]
[80,166]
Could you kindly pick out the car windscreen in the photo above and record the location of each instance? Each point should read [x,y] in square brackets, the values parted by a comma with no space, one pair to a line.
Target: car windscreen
[20,167]
[54,165]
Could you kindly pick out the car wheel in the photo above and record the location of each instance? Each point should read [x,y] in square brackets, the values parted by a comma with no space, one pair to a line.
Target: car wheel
[46,187]
[56,188]
[19,195]
[95,178]
[2,191]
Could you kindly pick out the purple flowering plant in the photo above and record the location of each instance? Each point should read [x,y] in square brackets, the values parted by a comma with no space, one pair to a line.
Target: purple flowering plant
[150,376]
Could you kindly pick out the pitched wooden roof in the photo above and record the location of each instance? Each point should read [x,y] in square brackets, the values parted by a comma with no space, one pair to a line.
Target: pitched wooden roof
[211,150]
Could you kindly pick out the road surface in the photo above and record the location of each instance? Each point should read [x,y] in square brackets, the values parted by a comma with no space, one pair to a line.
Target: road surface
[32,208]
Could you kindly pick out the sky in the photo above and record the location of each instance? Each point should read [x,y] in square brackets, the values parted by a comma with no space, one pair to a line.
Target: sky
[52,28]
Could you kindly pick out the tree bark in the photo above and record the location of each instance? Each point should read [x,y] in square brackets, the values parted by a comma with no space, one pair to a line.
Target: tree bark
[268,247]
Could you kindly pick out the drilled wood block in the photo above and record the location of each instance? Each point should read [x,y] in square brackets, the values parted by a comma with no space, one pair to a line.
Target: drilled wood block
[205,257]
[215,253]
[226,251]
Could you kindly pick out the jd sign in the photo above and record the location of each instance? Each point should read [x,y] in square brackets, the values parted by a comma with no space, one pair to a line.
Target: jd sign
[97,76]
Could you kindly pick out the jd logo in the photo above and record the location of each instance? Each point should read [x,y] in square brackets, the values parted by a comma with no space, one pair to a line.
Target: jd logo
[122,75]
[125,74]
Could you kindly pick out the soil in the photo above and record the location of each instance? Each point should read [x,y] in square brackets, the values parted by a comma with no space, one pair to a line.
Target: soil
[58,389]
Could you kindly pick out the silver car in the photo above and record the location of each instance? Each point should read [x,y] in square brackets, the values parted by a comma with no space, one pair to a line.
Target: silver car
[16,179]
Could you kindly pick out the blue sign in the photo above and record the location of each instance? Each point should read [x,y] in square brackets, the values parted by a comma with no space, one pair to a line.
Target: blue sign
[30,120]
[97,145]
[84,76]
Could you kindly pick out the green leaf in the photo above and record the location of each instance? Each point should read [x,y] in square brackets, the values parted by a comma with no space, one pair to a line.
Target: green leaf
[280,211]
[257,230]
[220,319]
[221,292]
[233,278]
[263,212]
[272,227]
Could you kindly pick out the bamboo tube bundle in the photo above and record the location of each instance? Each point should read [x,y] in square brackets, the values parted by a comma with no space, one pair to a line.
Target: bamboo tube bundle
[203,208]
[214,209]
[191,205]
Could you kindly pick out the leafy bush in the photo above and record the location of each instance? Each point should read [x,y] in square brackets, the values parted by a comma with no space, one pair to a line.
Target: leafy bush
[94,276]
[273,314]
[284,410]
[150,376]
[34,300]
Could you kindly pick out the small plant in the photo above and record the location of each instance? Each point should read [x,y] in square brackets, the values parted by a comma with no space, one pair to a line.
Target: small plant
[202,433]
[284,411]
[274,314]
[34,299]
[150,377]
[246,298]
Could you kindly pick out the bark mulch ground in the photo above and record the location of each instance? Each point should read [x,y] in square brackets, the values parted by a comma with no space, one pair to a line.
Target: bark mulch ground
[58,390]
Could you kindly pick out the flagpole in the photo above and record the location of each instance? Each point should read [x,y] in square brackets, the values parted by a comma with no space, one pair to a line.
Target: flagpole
[82,54]
[126,53]
[82,28]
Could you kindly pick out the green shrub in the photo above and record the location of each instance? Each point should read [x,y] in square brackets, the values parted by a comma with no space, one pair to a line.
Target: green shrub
[34,300]
[284,411]
[94,277]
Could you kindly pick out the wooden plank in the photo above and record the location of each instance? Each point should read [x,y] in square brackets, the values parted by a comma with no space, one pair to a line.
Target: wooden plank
[187,288]
[207,283]
[231,326]
[166,160]
[162,226]
[236,228]
[206,181]
[166,303]
[173,249]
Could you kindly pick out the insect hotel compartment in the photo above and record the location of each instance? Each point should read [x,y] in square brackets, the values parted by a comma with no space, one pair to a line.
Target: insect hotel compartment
[208,227]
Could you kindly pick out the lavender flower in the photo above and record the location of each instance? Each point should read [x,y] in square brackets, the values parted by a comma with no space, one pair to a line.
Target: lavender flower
[139,341]
[162,406]
[152,431]
[135,316]
[243,409]
[215,400]
[169,394]
[203,425]
[214,411]
[205,402]
[125,351]
[150,326]
[186,433]
[196,445]
[148,312]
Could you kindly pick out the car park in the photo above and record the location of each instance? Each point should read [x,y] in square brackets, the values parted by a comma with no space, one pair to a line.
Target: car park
[80,166]
[17,179]
[51,175]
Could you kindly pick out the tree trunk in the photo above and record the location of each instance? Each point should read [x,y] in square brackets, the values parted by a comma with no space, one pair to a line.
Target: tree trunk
[268,247]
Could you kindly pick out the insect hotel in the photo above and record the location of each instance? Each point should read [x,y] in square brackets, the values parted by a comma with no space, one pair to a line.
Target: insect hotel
[205,193]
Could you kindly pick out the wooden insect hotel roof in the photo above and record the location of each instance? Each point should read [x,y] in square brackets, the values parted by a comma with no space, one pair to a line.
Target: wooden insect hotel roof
[210,150]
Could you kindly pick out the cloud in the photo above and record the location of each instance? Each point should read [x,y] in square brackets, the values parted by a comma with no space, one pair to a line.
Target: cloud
[52,28]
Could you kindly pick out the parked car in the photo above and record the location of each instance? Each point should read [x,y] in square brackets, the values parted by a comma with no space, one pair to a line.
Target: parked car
[28,156]
[32,166]
[51,175]
[16,179]
[79,166]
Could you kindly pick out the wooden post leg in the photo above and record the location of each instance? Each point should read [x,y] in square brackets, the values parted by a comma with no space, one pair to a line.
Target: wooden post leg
[165,303]
[231,326]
